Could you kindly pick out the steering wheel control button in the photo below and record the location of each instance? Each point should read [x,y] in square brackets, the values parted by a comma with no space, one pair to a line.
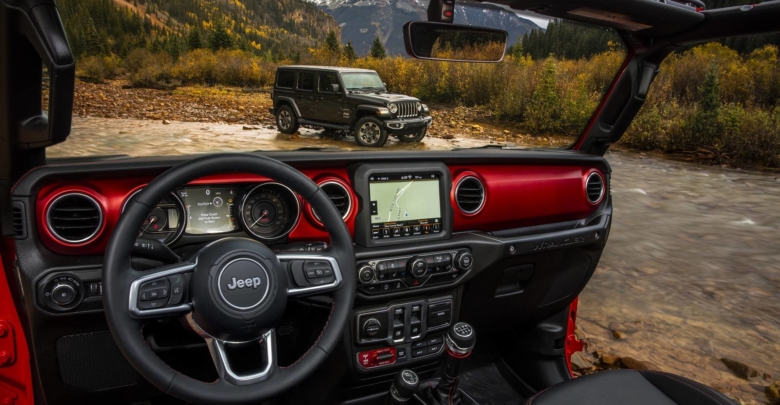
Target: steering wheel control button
[177,289]
[243,283]
[366,274]
[63,293]
[154,294]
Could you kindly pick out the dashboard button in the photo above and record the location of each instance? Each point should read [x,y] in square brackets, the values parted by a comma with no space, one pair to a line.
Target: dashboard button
[417,345]
[407,231]
[366,274]
[400,353]
[419,352]
[63,293]
[415,330]
[434,348]
[416,229]
[372,327]
[375,233]
[396,231]
[434,341]
[371,289]
[381,266]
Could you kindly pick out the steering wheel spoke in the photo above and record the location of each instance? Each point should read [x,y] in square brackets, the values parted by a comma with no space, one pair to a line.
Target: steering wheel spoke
[161,292]
[311,274]
[255,370]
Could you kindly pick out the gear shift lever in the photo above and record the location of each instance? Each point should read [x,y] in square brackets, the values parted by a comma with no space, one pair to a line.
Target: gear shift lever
[403,388]
[459,342]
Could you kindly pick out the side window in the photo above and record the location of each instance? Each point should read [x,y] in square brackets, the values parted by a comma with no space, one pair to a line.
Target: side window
[285,79]
[306,81]
[326,82]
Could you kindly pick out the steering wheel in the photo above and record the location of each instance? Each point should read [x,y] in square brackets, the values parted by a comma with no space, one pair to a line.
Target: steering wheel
[232,292]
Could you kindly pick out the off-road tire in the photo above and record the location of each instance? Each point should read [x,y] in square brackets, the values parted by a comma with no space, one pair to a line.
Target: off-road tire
[371,132]
[414,137]
[286,120]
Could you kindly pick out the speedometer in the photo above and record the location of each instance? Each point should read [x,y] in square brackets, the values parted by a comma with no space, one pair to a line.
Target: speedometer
[270,211]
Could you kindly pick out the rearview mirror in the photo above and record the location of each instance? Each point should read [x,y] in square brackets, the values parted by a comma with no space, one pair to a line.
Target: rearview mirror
[459,43]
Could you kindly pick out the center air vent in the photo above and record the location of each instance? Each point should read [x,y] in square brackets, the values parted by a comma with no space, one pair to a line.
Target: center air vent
[340,197]
[470,194]
[594,186]
[74,217]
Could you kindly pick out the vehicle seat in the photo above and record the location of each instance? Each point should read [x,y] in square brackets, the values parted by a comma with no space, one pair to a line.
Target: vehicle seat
[629,387]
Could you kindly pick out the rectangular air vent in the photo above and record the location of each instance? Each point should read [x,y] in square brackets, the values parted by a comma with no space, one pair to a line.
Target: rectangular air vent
[19,225]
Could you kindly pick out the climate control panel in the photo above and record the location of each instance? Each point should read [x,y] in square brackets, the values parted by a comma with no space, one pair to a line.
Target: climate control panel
[399,273]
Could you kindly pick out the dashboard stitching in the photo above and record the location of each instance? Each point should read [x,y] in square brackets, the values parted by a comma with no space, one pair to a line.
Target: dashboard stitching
[332,307]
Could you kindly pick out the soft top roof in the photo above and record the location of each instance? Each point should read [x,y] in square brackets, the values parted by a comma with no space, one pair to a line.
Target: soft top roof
[677,21]
[330,68]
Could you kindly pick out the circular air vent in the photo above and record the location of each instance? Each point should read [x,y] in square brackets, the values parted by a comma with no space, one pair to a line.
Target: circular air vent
[74,217]
[594,187]
[470,194]
[340,197]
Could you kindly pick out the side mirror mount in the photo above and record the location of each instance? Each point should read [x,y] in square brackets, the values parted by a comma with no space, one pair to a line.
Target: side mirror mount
[452,42]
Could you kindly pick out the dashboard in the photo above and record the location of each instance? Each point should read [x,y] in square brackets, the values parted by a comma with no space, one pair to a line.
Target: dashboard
[488,237]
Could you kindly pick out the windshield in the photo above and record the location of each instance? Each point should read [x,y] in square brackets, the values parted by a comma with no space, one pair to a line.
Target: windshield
[357,81]
[165,78]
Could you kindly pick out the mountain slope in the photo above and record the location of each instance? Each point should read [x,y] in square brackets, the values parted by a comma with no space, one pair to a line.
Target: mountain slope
[363,20]
[117,26]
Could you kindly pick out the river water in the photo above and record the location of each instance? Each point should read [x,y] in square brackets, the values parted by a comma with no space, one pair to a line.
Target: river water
[691,272]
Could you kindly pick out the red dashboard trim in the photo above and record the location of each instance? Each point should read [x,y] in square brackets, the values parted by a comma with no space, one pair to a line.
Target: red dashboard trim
[515,196]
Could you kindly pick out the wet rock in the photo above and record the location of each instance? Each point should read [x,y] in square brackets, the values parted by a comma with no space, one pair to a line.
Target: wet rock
[609,360]
[581,361]
[250,127]
[742,370]
[166,122]
[448,136]
[633,364]
[618,334]
[773,393]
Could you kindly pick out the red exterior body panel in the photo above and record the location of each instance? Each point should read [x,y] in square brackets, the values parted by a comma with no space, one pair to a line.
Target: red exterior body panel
[15,375]
[516,196]
[572,344]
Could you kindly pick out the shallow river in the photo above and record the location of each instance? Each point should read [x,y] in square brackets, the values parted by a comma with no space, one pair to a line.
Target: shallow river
[691,272]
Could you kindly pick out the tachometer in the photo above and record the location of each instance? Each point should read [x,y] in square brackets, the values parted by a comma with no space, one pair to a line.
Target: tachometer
[165,222]
[270,211]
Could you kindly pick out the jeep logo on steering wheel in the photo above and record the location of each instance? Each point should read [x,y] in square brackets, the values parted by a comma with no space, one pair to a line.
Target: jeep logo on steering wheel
[250,282]
[243,283]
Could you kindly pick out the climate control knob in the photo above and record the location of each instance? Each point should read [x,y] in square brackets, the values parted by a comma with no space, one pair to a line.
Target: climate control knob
[366,274]
[64,293]
[464,260]
[417,266]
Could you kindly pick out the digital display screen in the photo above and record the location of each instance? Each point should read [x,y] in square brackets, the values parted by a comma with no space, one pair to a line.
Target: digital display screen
[405,205]
[208,209]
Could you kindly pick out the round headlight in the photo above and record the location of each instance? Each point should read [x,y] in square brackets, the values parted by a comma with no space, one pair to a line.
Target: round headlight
[392,107]
[419,106]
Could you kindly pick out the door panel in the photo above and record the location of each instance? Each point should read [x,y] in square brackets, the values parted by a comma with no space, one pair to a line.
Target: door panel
[304,94]
[329,107]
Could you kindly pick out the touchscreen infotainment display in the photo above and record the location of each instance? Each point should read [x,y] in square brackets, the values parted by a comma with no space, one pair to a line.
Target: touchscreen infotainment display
[405,205]
[209,209]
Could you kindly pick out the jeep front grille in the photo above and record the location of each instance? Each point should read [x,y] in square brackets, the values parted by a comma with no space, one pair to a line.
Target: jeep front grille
[407,109]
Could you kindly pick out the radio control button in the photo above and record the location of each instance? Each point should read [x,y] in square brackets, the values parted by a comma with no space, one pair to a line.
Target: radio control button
[366,274]
[417,266]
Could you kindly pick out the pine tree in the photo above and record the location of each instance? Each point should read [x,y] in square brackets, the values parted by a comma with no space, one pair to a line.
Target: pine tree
[332,43]
[220,38]
[195,39]
[296,58]
[349,52]
[709,91]
[377,49]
